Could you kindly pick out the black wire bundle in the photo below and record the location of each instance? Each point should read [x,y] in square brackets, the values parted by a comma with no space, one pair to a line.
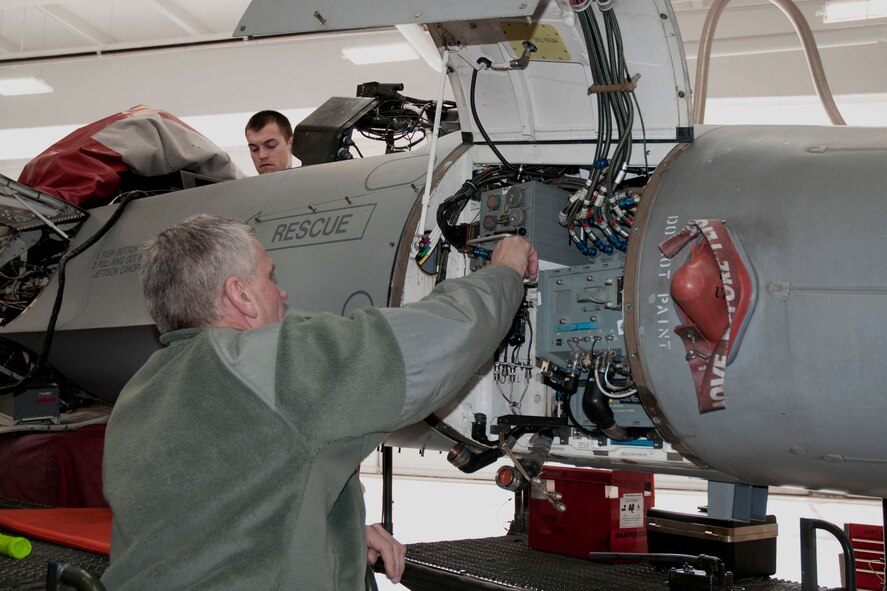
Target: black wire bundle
[601,220]
[448,212]
[608,68]
[485,63]
[400,119]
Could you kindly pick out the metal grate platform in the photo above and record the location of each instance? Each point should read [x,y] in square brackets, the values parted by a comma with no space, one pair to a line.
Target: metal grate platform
[493,564]
[506,562]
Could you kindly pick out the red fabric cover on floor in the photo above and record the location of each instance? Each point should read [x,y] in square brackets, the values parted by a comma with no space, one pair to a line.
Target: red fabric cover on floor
[61,469]
[83,529]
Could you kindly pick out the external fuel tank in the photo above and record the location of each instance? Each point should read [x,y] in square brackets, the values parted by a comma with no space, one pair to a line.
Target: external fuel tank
[803,391]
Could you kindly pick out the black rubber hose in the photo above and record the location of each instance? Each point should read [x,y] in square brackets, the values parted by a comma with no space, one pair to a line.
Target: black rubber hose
[597,408]
[61,575]
[477,122]
[479,429]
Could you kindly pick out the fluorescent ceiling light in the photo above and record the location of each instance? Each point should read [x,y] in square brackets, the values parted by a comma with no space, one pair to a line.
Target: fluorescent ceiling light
[14,86]
[421,42]
[377,54]
[837,11]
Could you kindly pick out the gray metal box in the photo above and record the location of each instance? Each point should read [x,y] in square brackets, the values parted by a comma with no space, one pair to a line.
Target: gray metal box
[530,210]
[583,302]
[38,404]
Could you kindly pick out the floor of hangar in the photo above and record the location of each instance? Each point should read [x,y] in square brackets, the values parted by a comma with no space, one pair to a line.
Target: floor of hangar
[431,509]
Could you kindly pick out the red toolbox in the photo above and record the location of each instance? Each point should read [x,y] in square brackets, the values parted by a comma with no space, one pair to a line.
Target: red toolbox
[605,511]
[868,547]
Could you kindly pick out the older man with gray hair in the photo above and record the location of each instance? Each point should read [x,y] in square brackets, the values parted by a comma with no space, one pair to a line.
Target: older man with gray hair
[232,456]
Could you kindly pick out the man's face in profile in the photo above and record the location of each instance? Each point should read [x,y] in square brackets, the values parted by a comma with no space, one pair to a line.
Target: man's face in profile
[270,151]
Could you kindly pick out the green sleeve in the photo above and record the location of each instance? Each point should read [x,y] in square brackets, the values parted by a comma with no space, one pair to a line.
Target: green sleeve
[449,334]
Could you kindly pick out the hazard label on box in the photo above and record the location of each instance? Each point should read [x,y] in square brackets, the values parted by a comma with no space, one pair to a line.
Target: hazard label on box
[631,511]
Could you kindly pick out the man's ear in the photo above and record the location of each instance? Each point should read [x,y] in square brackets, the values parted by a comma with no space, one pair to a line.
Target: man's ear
[239,297]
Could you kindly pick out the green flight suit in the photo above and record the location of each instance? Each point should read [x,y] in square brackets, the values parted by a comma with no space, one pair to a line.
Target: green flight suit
[232,457]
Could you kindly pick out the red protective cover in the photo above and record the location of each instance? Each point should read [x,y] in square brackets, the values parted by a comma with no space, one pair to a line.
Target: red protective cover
[54,469]
[83,529]
[714,292]
[77,168]
[699,292]
[85,167]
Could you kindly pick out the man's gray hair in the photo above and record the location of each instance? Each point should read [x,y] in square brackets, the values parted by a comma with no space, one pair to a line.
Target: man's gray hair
[184,269]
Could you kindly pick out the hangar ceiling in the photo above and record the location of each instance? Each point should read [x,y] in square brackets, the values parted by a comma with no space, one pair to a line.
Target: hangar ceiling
[49,28]
[42,29]
[102,56]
